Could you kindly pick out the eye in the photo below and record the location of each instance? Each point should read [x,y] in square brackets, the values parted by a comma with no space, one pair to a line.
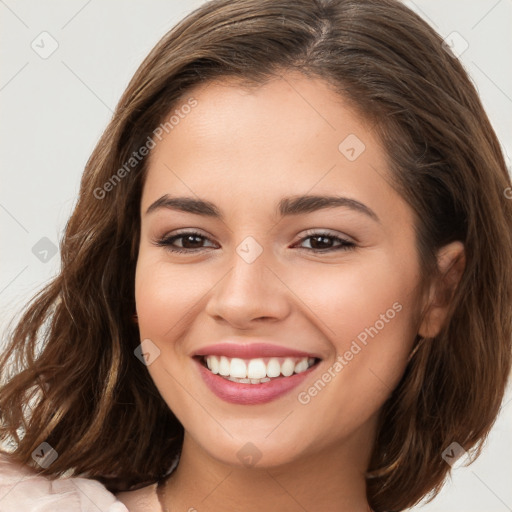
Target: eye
[190,242]
[326,242]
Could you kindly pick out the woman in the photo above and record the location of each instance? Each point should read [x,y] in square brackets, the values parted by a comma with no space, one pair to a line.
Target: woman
[276,289]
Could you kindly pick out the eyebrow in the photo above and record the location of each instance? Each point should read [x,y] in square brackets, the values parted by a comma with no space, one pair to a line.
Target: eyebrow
[293,205]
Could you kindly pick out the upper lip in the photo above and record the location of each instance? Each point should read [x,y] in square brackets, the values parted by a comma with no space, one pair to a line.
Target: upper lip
[250,351]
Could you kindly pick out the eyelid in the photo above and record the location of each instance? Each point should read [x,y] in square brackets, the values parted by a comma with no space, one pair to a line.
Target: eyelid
[344,243]
[163,240]
[307,233]
[186,231]
[327,232]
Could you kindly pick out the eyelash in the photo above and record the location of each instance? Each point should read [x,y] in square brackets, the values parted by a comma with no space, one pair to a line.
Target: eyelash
[167,241]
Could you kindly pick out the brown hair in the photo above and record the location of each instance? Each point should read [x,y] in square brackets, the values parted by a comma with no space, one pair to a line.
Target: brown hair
[72,351]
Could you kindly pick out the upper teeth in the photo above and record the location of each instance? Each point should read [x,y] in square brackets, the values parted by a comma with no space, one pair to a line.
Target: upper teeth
[257,368]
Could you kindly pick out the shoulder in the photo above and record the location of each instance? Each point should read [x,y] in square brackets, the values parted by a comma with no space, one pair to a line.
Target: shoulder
[144,499]
[141,500]
[21,488]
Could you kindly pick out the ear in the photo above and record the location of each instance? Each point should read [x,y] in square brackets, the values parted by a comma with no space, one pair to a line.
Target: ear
[451,261]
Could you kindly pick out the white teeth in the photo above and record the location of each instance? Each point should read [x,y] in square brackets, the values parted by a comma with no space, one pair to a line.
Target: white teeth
[248,381]
[288,367]
[258,381]
[238,368]
[301,366]
[273,368]
[223,366]
[255,371]
[213,364]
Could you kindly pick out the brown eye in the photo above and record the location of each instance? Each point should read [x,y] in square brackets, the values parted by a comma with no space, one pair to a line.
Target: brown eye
[325,242]
[190,242]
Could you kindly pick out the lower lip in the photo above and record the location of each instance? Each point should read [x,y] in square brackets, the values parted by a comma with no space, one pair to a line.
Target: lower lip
[251,394]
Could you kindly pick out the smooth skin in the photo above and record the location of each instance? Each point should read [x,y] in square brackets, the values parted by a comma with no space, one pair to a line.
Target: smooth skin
[245,150]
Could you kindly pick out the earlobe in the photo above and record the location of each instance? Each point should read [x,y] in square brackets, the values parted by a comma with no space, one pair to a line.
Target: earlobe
[451,262]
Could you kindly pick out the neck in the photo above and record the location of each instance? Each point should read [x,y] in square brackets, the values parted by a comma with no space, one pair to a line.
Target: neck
[331,480]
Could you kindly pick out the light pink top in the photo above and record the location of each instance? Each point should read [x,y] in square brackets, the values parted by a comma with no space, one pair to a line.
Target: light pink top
[22,490]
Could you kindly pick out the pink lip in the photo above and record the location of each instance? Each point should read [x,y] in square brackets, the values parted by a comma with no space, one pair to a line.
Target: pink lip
[251,351]
[250,394]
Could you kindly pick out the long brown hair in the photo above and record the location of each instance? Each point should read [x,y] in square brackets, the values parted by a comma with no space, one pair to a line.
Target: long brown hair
[71,356]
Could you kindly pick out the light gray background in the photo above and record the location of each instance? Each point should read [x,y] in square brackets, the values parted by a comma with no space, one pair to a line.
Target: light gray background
[54,110]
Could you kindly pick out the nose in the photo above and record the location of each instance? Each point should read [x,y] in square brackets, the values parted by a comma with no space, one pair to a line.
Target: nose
[250,293]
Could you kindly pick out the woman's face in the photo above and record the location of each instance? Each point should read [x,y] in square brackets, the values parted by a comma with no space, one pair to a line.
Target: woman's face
[272,279]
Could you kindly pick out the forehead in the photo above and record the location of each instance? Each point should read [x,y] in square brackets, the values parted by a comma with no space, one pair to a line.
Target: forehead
[292,135]
[281,114]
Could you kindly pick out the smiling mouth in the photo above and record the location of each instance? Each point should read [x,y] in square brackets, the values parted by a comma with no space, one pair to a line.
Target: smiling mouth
[258,370]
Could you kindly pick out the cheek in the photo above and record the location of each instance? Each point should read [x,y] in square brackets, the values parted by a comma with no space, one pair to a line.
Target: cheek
[368,314]
[165,295]
[345,300]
